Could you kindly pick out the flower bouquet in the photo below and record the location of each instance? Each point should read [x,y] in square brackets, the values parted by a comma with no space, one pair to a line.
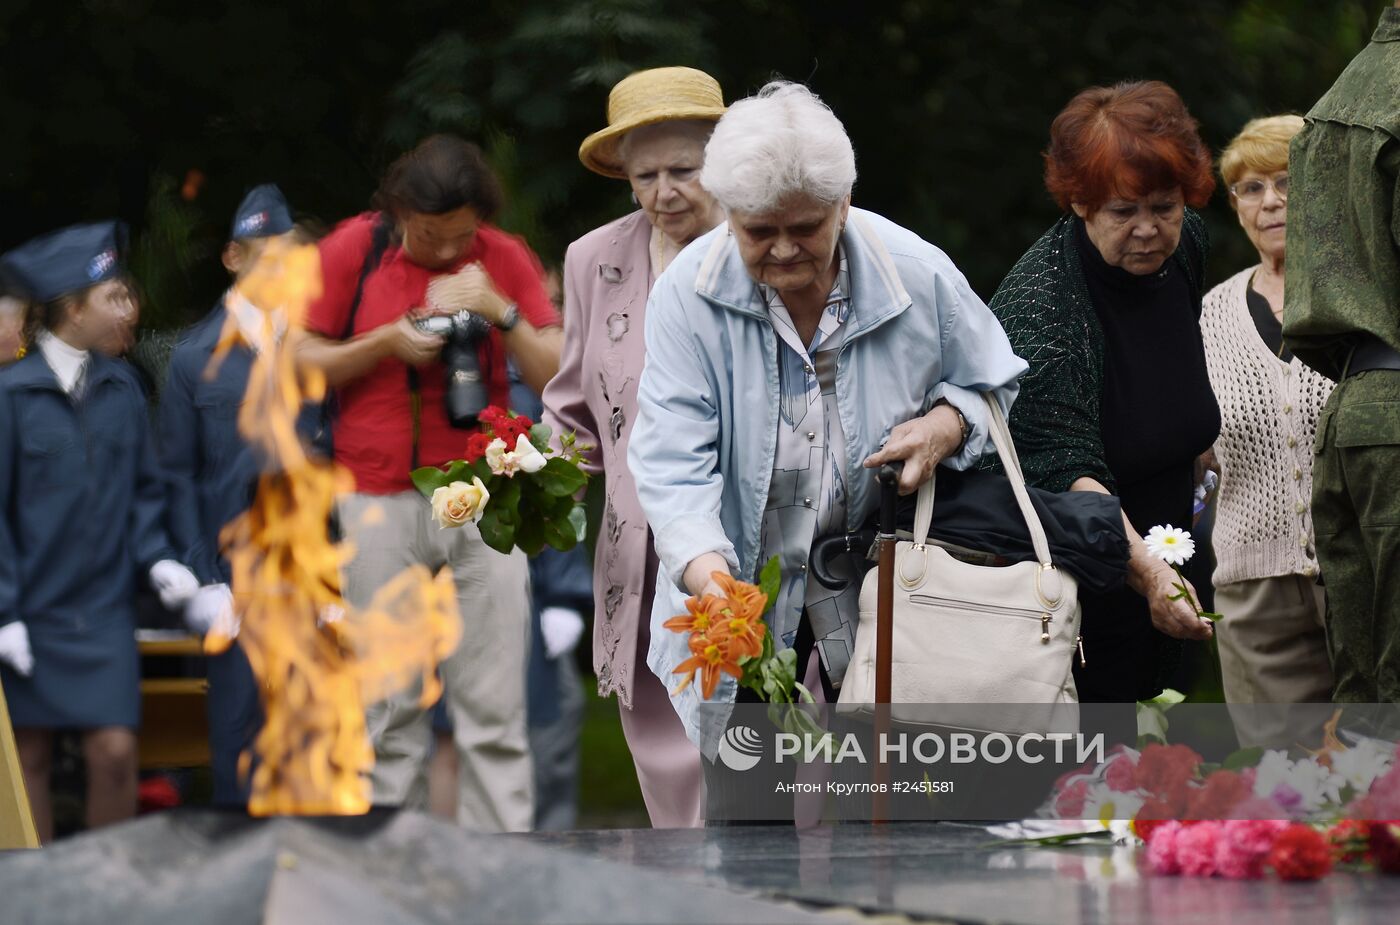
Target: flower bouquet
[728,635]
[1257,812]
[518,491]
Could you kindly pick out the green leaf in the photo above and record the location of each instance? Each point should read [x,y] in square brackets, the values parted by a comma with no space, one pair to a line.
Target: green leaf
[530,536]
[539,436]
[507,496]
[429,479]
[770,581]
[496,533]
[578,519]
[1051,840]
[560,477]
[1244,758]
[1168,698]
[560,534]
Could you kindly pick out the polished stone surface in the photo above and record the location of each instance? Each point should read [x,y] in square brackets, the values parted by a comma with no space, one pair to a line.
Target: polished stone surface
[952,872]
[387,868]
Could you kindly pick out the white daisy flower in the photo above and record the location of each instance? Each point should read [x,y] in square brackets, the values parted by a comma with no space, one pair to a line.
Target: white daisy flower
[1171,544]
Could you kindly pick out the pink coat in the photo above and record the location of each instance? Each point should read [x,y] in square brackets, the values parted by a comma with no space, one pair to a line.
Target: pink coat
[606,282]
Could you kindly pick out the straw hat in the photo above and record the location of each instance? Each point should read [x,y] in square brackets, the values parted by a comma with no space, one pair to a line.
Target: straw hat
[645,98]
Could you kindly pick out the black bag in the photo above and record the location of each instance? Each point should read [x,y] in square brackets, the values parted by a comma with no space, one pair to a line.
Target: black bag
[976,514]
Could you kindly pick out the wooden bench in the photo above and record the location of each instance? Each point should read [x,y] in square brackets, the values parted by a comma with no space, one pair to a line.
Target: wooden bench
[174,722]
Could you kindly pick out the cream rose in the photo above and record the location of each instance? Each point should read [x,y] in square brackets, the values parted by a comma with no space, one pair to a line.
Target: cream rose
[455,504]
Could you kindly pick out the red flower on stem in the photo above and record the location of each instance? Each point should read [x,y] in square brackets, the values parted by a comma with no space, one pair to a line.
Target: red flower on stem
[1385,846]
[1300,853]
[476,446]
[1349,839]
[1166,772]
[1222,792]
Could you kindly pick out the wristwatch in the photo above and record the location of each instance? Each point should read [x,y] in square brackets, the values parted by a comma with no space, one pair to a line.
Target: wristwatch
[509,318]
[962,422]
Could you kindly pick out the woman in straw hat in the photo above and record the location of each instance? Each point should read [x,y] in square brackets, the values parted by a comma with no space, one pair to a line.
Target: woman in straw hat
[658,123]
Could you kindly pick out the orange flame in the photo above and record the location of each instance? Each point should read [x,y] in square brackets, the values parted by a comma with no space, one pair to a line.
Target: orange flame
[317,661]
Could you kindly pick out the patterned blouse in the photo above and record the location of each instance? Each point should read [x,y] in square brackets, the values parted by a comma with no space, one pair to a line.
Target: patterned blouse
[807,496]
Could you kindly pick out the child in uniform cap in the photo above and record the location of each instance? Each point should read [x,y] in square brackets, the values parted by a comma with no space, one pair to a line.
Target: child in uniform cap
[81,510]
[214,475]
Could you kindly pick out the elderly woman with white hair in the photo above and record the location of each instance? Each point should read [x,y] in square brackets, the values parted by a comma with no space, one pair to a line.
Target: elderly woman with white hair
[789,354]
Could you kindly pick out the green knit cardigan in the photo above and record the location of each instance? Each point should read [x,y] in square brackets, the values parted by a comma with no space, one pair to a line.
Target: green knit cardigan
[1044,305]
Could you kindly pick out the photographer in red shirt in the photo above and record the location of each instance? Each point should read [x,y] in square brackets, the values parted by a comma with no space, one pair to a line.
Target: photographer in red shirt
[406,368]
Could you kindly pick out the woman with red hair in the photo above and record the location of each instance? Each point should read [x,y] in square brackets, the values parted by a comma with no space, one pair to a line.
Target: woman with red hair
[1105,307]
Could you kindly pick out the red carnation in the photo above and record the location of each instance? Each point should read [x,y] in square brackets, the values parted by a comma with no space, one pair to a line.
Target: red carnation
[1222,792]
[476,447]
[1349,840]
[1166,771]
[1385,846]
[1120,773]
[493,416]
[1069,804]
[1144,828]
[1300,853]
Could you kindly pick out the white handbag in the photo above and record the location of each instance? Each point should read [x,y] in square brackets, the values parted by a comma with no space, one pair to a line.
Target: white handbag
[966,634]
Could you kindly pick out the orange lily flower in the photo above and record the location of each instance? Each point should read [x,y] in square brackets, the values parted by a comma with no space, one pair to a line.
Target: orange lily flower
[710,658]
[746,600]
[701,613]
[743,635]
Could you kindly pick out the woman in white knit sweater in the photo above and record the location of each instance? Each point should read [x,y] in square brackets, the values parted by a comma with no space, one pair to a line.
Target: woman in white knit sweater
[1273,646]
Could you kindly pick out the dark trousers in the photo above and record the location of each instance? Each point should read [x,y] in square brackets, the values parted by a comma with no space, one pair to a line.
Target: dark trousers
[235,716]
[1125,657]
[1356,516]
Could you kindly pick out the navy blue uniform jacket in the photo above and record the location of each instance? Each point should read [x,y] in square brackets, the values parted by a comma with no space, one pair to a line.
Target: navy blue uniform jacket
[81,510]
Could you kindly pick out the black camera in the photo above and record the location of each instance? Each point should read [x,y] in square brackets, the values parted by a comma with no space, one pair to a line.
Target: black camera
[465,396]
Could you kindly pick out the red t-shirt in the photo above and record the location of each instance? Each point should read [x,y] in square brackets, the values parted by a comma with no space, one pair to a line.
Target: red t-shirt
[374,429]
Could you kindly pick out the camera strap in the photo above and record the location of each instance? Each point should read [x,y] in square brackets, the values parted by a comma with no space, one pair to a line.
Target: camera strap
[378,244]
[330,407]
[415,405]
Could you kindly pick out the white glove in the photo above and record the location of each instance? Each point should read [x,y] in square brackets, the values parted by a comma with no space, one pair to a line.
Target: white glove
[14,648]
[211,609]
[174,583]
[561,628]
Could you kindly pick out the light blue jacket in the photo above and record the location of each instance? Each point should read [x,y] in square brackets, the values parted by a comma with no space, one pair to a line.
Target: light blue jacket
[703,446]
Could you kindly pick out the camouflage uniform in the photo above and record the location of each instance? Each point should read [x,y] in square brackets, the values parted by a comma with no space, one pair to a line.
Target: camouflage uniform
[1343,292]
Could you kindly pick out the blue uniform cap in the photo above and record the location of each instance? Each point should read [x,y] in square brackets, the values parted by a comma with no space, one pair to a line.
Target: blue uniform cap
[67,260]
[263,213]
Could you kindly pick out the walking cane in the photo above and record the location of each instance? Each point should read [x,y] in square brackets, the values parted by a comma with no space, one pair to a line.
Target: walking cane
[884,632]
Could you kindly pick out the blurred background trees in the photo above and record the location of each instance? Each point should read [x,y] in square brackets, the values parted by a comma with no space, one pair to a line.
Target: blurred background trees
[164,112]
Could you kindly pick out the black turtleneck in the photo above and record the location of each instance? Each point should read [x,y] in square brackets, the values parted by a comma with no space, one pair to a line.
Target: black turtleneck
[1158,412]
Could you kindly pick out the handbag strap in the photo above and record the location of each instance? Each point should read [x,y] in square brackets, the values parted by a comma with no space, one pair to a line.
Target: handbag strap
[1006,449]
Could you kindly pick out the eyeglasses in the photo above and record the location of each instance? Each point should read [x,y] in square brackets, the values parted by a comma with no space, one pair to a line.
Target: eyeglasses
[1252,191]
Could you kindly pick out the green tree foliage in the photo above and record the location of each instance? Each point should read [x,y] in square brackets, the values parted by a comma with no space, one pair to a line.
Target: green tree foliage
[108,104]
